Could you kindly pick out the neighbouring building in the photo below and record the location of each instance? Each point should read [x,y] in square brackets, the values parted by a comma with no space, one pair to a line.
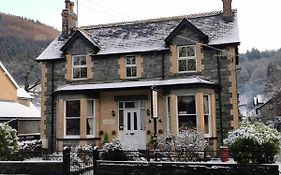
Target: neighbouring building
[16,107]
[118,79]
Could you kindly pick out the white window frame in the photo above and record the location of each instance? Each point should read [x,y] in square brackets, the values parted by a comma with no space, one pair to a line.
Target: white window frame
[79,67]
[130,65]
[186,58]
[209,115]
[168,115]
[196,109]
[65,118]
[93,117]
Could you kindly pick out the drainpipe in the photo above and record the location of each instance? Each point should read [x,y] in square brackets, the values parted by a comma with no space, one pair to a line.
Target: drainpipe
[220,101]
[154,119]
[52,107]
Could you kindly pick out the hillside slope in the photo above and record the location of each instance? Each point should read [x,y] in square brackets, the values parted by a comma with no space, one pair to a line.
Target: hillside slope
[21,41]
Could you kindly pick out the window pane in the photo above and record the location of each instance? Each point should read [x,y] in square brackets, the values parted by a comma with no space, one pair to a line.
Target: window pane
[187,122]
[191,65]
[206,124]
[73,108]
[128,72]
[83,72]
[121,105]
[73,126]
[83,60]
[130,104]
[131,60]
[190,51]
[135,121]
[121,120]
[90,126]
[76,72]
[134,71]
[182,65]
[182,52]
[206,104]
[186,105]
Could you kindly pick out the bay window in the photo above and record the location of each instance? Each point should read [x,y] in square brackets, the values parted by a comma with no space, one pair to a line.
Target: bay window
[72,118]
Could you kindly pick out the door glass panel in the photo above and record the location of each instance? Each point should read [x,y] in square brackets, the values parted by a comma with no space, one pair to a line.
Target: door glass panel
[135,121]
[130,104]
[129,121]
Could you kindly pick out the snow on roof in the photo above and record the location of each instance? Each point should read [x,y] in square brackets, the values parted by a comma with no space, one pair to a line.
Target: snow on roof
[9,75]
[135,84]
[16,110]
[21,93]
[140,36]
[53,50]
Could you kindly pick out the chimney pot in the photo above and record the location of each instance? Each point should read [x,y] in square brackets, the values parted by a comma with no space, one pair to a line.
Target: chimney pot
[227,10]
[69,19]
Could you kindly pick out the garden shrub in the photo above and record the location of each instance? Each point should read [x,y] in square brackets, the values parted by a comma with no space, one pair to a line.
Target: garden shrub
[31,148]
[185,146]
[81,156]
[254,143]
[116,151]
[8,141]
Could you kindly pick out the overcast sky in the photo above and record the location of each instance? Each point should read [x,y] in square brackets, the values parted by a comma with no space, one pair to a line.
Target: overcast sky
[259,20]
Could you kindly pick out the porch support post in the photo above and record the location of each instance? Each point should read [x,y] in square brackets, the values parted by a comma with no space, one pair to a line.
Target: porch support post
[154,117]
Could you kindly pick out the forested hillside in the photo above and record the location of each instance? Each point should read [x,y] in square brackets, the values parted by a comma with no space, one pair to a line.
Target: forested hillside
[259,73]
[21,41]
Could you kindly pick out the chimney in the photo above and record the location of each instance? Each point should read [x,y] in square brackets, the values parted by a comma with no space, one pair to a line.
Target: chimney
[227,11]
[69,19]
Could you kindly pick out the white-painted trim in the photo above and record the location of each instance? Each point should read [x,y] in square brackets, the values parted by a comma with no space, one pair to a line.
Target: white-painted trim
[78,66]
[64,120]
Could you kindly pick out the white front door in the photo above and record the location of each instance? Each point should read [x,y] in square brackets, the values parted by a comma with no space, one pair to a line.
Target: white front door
[133,136]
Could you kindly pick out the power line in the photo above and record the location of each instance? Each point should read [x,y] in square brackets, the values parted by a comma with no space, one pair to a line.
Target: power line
[98,10]
[115,12]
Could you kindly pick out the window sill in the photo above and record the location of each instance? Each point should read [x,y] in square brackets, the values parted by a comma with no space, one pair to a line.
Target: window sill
[79,138]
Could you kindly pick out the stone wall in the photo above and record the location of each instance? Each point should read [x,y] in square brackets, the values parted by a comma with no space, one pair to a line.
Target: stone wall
[31,168]
[144,168]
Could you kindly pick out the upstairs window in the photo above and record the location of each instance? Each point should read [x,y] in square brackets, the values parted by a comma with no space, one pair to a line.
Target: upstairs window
[186,58]
[131,66]
[79,67]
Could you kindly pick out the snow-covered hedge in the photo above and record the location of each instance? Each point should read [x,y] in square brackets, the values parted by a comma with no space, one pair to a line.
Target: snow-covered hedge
[116,151]
[253,142]
[185,146]
[8,141]
[30,148]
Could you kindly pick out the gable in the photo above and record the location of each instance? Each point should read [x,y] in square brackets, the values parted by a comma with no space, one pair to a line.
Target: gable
[83,39]
[187,26]
[8,88]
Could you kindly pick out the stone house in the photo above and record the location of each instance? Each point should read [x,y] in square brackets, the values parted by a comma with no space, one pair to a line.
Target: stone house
[134,80]
[16,107]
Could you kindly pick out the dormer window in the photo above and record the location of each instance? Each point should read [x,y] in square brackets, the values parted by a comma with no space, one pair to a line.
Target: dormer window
[79,67]
[186,58]
[131,66]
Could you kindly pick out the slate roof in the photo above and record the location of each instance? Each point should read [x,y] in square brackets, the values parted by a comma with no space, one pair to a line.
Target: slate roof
[150,35]
[135,84]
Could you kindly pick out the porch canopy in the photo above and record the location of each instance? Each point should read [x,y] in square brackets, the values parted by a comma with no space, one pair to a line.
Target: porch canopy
[192,81]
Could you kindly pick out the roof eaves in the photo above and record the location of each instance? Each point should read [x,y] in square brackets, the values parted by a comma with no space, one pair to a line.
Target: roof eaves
[9,75]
